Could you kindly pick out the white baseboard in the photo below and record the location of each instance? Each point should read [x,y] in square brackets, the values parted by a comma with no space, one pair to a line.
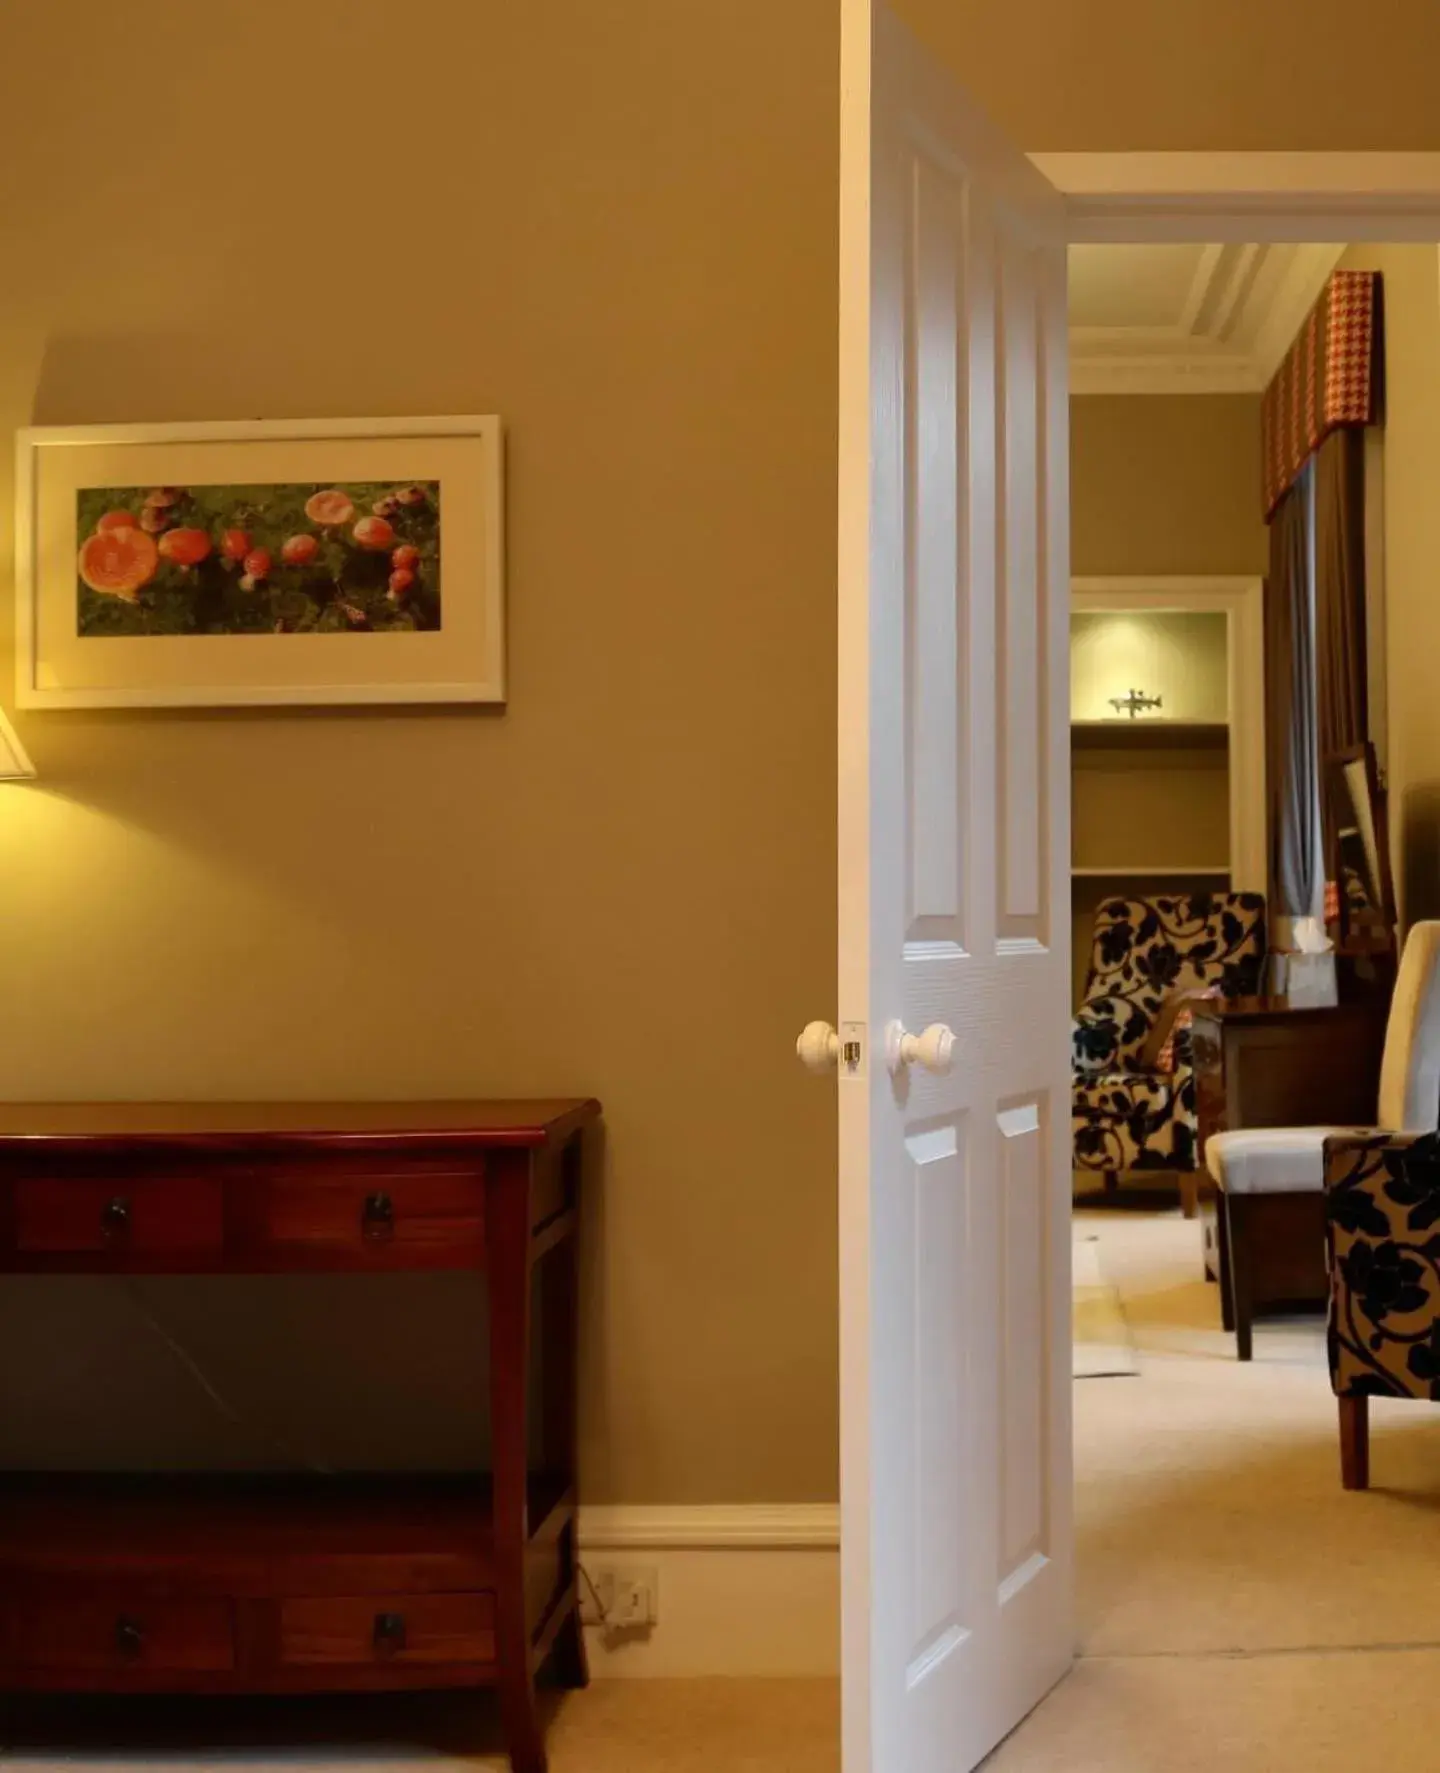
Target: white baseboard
[741,1590]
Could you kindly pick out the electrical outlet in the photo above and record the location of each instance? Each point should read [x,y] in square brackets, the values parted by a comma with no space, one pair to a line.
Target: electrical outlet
[625,1598]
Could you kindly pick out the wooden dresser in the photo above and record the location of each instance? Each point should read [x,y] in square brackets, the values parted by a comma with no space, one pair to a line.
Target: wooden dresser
[293,1584]
[1261,1063]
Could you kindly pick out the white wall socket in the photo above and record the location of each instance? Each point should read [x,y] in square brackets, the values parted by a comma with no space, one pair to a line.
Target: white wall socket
[626,1597]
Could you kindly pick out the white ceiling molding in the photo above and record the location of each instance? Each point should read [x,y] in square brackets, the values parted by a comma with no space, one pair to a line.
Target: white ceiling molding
[1161,375]
[1188,319]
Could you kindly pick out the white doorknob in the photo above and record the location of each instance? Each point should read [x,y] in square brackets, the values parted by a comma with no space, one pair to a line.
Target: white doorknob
[933,1050]
[818,1047]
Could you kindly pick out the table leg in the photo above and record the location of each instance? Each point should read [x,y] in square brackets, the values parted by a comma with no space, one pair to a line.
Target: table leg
[507,1236]
[560,1363]
[1222,1275]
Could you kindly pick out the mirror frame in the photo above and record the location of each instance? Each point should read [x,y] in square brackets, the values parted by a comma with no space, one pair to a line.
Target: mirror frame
[1337,789]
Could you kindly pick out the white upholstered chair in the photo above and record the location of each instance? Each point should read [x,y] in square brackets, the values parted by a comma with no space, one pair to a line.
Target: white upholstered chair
[1264,1173]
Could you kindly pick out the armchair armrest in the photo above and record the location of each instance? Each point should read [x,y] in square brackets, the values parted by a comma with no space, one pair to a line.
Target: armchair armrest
[1383,1228]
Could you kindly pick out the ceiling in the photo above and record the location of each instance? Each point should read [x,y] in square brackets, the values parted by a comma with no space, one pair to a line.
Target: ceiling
[1188,319]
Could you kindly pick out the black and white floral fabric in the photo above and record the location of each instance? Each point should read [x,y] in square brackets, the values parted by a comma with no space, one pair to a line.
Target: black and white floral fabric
[1383,1211]
[1125,1117]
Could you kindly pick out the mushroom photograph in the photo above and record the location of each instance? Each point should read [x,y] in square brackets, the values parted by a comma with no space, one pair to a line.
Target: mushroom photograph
[356,557]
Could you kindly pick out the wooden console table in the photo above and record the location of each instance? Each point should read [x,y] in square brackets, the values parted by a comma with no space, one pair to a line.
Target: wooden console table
[1259,1062]
[299,1584]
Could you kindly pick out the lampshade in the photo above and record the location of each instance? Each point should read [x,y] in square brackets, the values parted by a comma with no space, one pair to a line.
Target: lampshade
[15,765]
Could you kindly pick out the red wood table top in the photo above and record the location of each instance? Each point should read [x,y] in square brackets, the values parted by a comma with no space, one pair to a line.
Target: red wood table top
[220,1126]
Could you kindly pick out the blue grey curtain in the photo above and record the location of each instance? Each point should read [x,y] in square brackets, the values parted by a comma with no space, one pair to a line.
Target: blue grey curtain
[1291,736]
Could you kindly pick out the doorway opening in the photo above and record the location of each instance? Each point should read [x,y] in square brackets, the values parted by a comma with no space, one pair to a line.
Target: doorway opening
[1207,1458]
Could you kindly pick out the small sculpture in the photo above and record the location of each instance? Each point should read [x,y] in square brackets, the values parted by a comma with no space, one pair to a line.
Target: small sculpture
[1136,702]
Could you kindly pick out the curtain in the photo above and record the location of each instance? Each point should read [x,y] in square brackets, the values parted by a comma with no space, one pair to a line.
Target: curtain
[1331,376]
[1290,733]
[1340,668]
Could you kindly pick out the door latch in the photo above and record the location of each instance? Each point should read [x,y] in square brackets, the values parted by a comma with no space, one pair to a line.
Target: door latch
[852,1049]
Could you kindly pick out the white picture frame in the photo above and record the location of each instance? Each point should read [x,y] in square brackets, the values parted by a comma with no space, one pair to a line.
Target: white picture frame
[459,658]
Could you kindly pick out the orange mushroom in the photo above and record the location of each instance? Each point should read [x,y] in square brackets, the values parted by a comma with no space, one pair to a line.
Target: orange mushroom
[185,547]
[373,532]
[118,563]
[329,509]
[257,567]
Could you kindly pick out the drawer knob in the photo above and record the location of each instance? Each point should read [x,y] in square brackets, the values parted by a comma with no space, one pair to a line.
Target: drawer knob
[377,1220]
[115,1216]
[129,1638]
[389,1633]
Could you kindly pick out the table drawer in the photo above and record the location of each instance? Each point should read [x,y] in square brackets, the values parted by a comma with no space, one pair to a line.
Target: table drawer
[110,1636]
[362,1214]
[144,1215]
[372,1630]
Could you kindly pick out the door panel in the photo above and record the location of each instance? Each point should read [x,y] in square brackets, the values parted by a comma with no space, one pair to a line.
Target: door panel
[953,846]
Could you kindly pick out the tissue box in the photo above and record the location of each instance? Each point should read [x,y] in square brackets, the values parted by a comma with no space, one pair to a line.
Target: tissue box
[1310,981]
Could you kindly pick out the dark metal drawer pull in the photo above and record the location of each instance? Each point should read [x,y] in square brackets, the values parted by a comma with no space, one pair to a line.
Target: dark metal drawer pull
[389,1633]
[115,1216]
[378,1220]
[129,1638]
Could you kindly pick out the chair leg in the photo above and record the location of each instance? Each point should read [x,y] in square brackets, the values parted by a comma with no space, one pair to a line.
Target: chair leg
[1189,1193]
[1222,1240]
[1355,1442]
[1242,1298]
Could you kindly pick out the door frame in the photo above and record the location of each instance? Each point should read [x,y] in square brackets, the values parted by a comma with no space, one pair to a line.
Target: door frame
[1241,602]
[1257,198]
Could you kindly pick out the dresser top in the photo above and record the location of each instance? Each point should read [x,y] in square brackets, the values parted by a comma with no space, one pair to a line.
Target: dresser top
[231,1125]
[1244,1010]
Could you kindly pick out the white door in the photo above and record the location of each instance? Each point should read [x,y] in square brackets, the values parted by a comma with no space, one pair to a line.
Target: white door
[954,911]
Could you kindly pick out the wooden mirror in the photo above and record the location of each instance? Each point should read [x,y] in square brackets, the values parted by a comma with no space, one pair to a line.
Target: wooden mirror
[1359,850]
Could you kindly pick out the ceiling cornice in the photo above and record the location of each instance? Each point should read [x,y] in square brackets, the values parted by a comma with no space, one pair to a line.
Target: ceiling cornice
[1243,309]
[1163,374]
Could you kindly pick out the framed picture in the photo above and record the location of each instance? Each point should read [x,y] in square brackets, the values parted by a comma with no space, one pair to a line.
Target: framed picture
[293,561]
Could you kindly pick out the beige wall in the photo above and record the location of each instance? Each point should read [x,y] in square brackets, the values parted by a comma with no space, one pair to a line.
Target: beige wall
[1165,483]
[1135,74]
[1411,574]
[1156,809]
[613,224]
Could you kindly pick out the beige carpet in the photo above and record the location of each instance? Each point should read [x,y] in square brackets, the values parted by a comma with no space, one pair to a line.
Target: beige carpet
[631,1726]
[1237,1608]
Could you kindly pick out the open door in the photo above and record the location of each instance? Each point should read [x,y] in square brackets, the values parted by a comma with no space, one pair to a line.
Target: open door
[953,1047]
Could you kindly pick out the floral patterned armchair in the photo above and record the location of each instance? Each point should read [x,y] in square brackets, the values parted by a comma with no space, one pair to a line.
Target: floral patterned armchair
[1383,1229]
[1148,955]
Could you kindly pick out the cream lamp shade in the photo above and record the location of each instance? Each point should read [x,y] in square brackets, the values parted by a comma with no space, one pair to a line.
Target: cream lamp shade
[15,764]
